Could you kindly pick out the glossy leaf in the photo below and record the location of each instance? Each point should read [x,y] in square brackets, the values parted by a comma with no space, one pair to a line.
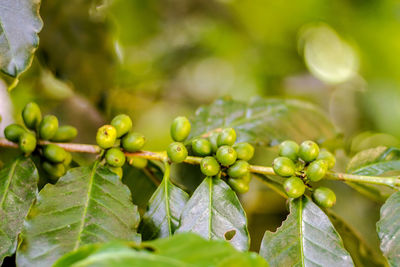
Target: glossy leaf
[215,212]
[388,228]
[379,161]
[164,209]
[265,121]
[87,205]
[182,250]
[19,27]
[306,238]
[18,190]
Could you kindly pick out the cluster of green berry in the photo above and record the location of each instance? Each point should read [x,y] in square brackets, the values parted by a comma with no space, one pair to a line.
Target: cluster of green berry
[57,160]
[301,165]
[221,156]
[116,135]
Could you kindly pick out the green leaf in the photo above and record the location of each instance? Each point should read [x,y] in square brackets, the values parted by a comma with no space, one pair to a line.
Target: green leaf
[215,212]
[165,207]
[87,205]
[18,190]
[265,121]
[359,249]
[388,228]
[20,24]
[306,237]
[379,161]
[185,249]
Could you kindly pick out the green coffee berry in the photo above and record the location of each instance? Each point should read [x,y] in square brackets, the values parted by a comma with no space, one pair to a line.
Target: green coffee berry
[106,136]
[289,149]
[246,177]
[226,155]
[122,123]
[27,142]
[133,142]
[138,163]
[201,147]
[177,152]
[294,187]
[328,157]
[213,138]
[13,132]
[324,197]
[180,129]
[31,115]
[65,133]
[238,169]
[117,170]
[317,170]
[284,166]
[68,159]
[244,151]
[239,185]
[54,153]
[55,170]
[115,157]
[227,137]
[48,127]
[308,151]
[209,166]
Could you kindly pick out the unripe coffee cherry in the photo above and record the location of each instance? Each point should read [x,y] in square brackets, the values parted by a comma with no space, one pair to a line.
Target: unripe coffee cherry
[209,166]
[227,137]
[106,136]
[328,157]
[122,123]
[54,169]
[180,129]
[201,147]
[317,170]
[13,132]
[48,127]
[27,143]
[65,133]
[289,149]
[68,159]
[226,155]
[239,185]
[238,169]
[115,157]
[31,115]
[308,151]
[284,166]
[133,142]
[244,151]
[294,187]
[54,153]
[324,197]
[117,170]
[138,163]
[177,152]
[213,138]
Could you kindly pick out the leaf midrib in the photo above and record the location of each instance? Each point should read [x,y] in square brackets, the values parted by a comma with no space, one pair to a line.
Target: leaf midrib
[9,178]
[83,220]
[301,231]
[210,184]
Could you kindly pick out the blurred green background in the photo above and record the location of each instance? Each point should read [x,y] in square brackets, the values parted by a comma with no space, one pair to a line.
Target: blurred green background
[157,59]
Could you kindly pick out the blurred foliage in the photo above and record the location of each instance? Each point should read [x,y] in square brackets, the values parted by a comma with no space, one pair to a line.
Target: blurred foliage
[157,59]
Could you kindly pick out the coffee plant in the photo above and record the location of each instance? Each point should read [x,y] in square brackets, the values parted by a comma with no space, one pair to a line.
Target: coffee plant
[57,211]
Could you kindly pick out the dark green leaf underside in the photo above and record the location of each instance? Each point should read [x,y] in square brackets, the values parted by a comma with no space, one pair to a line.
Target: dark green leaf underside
[265,121]
[388,228]
[87,205]
[19,27]
[215,212]
[306,238]
[163,212]
[18,190]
